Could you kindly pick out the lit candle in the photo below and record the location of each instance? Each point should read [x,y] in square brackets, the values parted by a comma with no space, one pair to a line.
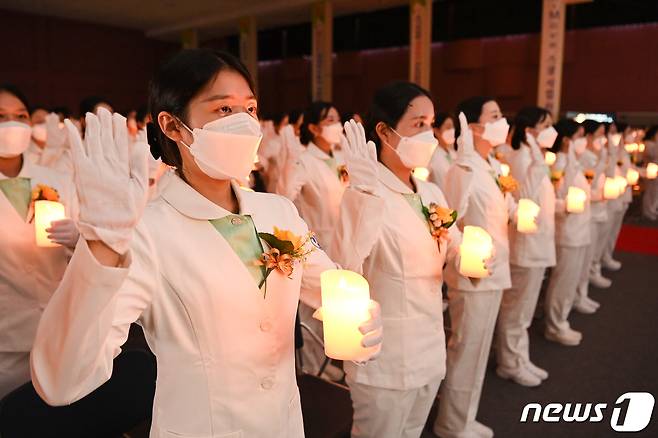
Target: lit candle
[504,169]
[422,173]
[550,158]
[631,147]
[652,170]
[610,189]
[621,184]
[345,306]
[476,247]
[576,198]
[640,147]
[526,213]
[632,176]
[45,212]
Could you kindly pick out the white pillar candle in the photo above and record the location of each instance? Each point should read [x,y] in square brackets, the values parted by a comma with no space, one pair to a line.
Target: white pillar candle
[476,247]
[504,169]
[45,212]
[610,189]
[576,198]
[632,176]
[526,215]
[621,184]
[652,170]
[549,158]
[422,173]
[345,307]
[631,147]
[640,147]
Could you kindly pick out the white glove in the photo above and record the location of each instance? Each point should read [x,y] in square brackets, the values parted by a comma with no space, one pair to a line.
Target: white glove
[372,330]
[56,141]
[291,149]
[360,158]
[64,232]
[111,177]
[465,145]
[535,150]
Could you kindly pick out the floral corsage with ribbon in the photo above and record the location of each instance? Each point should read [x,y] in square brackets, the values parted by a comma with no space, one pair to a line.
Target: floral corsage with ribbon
[589,175]
[439,219]
[556,176]
[287,250]
[507,184]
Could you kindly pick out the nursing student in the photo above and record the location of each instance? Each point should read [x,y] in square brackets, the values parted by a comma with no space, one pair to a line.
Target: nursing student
[29,274]
[384,231]
[482,199]
[572,233]
[315,178]
[185,265]
[530,253]
[445,154]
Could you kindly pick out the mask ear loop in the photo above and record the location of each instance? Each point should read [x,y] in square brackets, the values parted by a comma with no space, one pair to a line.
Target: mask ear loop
[188,130]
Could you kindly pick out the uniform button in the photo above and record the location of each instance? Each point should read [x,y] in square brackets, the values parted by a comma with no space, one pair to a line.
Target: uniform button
[265,326]
[267,383]
[236,220]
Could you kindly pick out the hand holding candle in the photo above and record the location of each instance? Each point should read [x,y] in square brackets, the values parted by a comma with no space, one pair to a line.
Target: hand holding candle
[610,189]
[576,198]
[475,249]
[549,158]
[64,232]
[45,213]
[504,169]
[652,170]
[527,213]
[352,326]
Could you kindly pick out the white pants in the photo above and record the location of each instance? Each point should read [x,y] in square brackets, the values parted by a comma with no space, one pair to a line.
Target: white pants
[604,229]
[381,412]
[617,221]
[650,199]
[14,371]
[472,321]
[562,286]
[515,316]
[596,228]
[312,352]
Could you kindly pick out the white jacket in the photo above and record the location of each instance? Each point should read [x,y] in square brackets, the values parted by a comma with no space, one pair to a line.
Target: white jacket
[571,229]
[533,250]
[225,354]
[597,164]
[383,237]
[29,274]
[441,161]
[317,190]
[472,190]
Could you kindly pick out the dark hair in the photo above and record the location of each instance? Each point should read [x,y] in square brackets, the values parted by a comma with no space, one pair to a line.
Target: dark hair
[141,113]
[591,126]
[176,83]
[17,93]
[528,117]
[88,104]
[314,114]
[441,117]
[621,126]
[294,115]
[278,117]
[472,109]
[389,105]
[565,128]
[651,132]
[348,116]
[61,110]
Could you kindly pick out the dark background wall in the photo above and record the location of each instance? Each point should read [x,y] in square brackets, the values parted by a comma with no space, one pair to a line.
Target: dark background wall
[614,68]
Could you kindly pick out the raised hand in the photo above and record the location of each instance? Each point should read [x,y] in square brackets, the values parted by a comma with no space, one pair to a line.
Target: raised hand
[360,158]
[465,145]
[56,141]
[111,177]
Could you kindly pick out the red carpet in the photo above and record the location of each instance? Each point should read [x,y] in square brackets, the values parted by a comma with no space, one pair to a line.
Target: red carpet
[634,238]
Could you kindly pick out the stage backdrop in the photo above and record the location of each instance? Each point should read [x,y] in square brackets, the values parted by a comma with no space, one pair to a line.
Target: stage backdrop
[58,62]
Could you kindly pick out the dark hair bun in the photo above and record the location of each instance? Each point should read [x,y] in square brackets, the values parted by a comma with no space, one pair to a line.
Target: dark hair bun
[152,138]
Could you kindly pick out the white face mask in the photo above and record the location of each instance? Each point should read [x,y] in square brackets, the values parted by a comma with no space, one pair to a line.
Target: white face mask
[579,145]
[496,132]
[226,148]
[597,143]
[547,137]
[417,150]
[332,133]
[14,138]
[448,136]
[39,132]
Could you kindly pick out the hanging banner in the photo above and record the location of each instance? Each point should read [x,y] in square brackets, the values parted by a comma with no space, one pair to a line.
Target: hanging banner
[551,56]
[321,59]
[420,39]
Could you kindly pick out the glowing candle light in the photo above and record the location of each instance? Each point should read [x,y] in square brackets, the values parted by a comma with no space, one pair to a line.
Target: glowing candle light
[621,184]
[632,176]
[345,306]
[45,212]
[504,169]
[652,170]
[476,247]
[550,158]
[576,198]
[631,147]
[610,189]
[422,173]
[527,213]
